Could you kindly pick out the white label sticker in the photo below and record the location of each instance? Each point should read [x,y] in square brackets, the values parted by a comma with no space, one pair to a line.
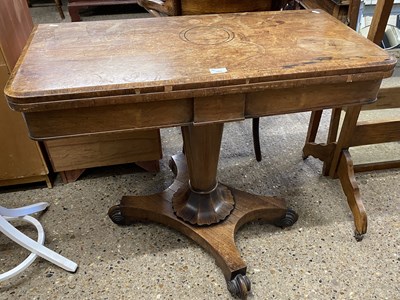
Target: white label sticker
[218,71]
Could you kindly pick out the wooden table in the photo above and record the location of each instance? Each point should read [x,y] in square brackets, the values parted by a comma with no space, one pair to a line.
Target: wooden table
[197,72]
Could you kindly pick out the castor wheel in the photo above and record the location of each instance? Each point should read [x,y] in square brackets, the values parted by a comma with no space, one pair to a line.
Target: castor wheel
[288,220]
[358,236]
[240,286]
[115,215]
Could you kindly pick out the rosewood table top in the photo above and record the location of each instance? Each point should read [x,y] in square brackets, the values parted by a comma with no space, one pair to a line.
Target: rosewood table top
[164,58]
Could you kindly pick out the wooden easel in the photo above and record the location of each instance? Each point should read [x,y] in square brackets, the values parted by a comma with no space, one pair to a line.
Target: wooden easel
[339,163]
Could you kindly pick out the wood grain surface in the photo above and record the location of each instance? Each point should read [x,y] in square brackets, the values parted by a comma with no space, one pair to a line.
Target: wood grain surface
[153,59]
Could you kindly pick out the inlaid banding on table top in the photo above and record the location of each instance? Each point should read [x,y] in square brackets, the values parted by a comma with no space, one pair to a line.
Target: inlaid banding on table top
[148,58]
[207,35]
[182,92]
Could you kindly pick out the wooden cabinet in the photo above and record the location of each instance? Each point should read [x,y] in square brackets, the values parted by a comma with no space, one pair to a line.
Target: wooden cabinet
[21,159]
[71,156]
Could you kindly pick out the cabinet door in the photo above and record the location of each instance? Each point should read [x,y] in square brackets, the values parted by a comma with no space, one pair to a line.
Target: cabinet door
[21,160]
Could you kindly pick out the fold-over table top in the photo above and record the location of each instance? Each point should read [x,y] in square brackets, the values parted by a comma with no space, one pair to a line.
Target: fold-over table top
[187,54]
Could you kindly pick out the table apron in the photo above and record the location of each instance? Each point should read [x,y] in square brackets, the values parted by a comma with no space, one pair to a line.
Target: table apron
[311,97]
[52,124]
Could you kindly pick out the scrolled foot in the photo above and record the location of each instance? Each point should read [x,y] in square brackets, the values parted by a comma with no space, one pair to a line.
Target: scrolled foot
[288,220]
[240,286]
[116,216]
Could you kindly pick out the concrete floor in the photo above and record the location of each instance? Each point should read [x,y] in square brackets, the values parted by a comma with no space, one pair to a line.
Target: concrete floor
[317,258]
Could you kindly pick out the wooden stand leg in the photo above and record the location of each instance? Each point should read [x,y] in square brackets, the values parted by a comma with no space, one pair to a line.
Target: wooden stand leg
[350,187]
[313,126]
[195,195]
[332,136]
[346,133]
[337,160]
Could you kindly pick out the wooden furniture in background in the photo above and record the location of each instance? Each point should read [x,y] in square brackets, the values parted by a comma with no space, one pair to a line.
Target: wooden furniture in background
[376,131]
[74,6]
[59,8]
[69,157]
[72,155]
[21,159]
[358,133]
[178,83]
[346,11]
[58,4]
[200,7]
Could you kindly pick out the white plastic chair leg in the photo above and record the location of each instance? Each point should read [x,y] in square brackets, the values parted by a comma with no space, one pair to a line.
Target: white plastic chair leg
[23,211]
[31,258]
[35,247]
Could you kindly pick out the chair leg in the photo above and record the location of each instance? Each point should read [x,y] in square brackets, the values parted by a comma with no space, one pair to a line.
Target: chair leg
[256,138]
[59,8]
[31,258]
[35,247]
[23,211]
[350,187]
